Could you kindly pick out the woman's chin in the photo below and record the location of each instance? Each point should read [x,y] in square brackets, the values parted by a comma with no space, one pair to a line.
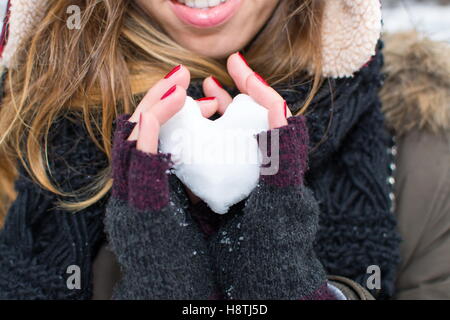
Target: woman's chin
[210,47]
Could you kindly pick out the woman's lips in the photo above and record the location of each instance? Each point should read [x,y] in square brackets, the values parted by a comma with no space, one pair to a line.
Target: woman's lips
[206,18]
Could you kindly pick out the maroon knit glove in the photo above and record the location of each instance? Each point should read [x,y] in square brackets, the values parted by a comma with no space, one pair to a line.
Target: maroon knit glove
[290,160]
[139,178]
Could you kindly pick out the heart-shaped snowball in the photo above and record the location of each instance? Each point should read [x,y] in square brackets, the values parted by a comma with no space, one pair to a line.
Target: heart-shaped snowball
[219,161]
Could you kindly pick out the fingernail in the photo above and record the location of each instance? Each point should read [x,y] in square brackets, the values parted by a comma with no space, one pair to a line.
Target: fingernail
[261,79]
[217,82]
[206,99]
[169,92]
[285,109]
[174,70]
[243,58]
[140,122]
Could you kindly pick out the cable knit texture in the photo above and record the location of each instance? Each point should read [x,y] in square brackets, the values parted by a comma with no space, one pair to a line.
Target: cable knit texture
[349,170]
[343,201]
[39,241]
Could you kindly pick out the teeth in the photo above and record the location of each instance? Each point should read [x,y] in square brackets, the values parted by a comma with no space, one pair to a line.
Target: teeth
[213,3]
[201,4]
[190,3]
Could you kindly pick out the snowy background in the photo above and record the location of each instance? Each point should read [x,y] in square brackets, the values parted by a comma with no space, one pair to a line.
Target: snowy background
[429,16]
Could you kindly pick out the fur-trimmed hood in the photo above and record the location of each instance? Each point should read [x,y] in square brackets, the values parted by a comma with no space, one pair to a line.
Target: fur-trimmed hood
[416,93]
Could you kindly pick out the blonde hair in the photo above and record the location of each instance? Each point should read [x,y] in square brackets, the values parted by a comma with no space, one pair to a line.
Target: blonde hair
[117,54]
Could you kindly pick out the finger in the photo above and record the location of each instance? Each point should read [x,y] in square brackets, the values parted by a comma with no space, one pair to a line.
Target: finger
[261,92]
[277,118]
[266,96]
[213,88]
[168,105]
[148,129]
[288,112]
[178,76]
[208,106]
[239,71]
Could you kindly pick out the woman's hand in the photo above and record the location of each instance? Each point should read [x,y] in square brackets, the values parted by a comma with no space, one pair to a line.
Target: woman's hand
[160,104]
[168,95]
[249,82]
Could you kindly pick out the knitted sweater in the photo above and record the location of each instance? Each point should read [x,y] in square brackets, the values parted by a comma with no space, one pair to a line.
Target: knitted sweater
[291,231]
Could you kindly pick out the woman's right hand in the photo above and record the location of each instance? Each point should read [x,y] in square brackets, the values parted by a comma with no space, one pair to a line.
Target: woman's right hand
[160,104]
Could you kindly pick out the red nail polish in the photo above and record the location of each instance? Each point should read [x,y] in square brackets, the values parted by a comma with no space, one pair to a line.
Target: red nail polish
[243,59]
[206,99]
[174,70]
[285,109]
[261,79]
[217,82]
[169,92]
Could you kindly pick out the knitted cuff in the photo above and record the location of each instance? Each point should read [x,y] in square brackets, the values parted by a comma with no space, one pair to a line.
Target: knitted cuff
[121,155]
[322,293]
[140,179]
[285,155]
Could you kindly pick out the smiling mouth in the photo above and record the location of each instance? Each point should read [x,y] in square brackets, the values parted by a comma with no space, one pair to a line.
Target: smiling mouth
[205,13]
[201,4]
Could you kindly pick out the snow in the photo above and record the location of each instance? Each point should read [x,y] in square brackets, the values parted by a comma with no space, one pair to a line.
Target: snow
[219,161]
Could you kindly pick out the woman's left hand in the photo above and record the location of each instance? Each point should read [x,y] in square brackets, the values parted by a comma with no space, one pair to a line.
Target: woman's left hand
[251,83]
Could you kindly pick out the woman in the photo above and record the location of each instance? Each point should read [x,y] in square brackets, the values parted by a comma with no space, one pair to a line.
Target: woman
[65,88]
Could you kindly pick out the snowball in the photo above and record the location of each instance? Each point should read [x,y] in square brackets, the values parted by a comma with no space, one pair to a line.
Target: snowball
[219,161]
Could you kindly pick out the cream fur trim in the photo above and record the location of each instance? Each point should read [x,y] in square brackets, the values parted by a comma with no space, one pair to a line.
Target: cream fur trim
[351,31]
[24,15]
